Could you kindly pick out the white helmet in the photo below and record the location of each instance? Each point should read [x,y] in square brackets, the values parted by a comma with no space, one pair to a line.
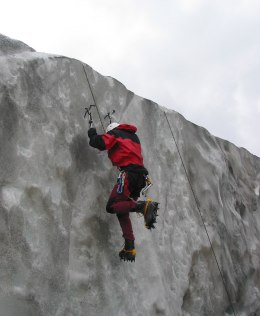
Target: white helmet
[111,126]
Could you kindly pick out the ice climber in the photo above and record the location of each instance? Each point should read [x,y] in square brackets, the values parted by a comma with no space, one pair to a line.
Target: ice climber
[124,151]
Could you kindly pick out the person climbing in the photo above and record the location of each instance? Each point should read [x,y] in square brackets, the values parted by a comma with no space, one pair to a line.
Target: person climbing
[124,151]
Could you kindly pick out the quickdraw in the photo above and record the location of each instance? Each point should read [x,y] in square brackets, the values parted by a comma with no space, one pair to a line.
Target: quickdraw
[121,182]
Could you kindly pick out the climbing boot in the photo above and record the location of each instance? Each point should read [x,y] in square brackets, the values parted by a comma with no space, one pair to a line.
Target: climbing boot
[149,210]
[128,253]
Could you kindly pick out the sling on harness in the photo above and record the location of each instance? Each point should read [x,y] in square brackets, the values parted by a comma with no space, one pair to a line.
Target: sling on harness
[121,182]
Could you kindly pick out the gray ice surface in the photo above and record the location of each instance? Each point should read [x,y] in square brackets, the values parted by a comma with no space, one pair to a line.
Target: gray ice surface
[59,247]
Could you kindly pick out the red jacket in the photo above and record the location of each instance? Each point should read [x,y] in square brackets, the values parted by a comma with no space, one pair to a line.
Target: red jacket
[122,144]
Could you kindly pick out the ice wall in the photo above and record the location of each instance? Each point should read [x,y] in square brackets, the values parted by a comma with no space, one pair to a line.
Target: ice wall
[59,247]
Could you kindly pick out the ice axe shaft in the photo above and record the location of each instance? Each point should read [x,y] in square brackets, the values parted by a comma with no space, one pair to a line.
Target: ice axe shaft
[88,112]
[147,186]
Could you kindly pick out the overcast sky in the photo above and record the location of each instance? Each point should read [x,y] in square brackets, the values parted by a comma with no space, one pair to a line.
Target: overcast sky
[198,57]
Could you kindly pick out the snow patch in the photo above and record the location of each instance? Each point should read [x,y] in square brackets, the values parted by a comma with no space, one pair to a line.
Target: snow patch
[11,197]
[21,151]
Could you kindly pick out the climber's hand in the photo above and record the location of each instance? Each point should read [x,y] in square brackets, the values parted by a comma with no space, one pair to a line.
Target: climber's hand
[92,132]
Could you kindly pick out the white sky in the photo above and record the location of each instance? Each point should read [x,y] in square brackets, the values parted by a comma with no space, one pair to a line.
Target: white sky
[198,57]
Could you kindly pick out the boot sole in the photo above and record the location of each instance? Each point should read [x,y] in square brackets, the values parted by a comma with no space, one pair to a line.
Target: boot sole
[127,256]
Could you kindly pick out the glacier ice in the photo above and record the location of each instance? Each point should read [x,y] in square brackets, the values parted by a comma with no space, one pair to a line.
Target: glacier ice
[59,248]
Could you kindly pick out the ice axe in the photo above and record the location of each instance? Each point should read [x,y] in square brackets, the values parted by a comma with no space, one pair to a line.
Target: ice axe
[88,112]
[109,115]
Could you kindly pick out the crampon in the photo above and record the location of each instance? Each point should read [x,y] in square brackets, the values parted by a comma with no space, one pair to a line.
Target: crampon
[150,213]
[127,255]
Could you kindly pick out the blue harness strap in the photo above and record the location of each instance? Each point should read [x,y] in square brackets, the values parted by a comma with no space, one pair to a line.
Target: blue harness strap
[121,182]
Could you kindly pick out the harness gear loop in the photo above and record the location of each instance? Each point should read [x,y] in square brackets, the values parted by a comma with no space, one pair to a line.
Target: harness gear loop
[148,184]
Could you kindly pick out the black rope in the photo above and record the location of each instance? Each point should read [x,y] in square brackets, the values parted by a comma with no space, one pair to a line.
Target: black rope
[197,204]
[93,97]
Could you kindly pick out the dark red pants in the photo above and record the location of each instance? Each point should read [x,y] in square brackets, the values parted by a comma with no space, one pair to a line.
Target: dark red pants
[123,203]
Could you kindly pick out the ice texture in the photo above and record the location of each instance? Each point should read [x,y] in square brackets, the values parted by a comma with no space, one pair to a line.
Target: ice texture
[59,247]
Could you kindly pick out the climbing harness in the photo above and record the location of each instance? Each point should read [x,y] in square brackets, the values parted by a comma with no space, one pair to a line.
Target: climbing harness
[200,213]
[148,184]
[121,182]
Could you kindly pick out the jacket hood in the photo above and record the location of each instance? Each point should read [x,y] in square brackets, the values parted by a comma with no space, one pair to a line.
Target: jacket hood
[127,127]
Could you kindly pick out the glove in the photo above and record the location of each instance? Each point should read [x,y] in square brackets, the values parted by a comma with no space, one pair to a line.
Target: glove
[92,132]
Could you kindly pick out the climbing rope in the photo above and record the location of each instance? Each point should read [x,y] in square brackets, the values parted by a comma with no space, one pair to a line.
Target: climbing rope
[200,213]
[95,103]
